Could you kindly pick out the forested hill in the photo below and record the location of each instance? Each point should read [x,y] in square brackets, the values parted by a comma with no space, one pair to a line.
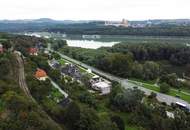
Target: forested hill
[94,27]
[91,29]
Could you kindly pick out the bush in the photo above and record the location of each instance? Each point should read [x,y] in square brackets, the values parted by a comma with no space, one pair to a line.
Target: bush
[164,88]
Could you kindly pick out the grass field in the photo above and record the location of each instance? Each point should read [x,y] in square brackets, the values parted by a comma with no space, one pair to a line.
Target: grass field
[62,61]
[2,40]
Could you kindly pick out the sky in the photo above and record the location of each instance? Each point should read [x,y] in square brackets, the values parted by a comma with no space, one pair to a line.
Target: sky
[95,9]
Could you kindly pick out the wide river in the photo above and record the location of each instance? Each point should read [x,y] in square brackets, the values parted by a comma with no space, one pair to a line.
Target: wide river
[90,43]
[97,41]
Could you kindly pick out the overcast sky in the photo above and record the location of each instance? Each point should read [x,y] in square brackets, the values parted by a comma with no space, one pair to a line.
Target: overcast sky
[94,9]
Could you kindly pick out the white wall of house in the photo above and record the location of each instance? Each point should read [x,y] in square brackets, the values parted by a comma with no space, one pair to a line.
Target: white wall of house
[33,54]
[42,78]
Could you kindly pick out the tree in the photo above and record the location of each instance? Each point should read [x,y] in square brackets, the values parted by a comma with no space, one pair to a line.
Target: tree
[119,122]
[87,98]
[170,79]
[117,63]
[152,95]
[164,88]
[151,70]
[72,115]
[88,120]
[128,99]
[55,75]
[137,70]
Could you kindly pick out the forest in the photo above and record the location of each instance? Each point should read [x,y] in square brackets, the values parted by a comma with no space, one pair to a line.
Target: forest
[94,28]
[146,61]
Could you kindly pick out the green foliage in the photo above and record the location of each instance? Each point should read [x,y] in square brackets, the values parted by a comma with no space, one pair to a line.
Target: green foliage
[177,54]
[119,122]
[151,70]
[127,100]
[152,95]
[97,28]
[117,63]
[88,120]
[23,43]
[72,115]
[89,99]
[57,44]
[164,88]
[21,112]
[39,89]
[170,79]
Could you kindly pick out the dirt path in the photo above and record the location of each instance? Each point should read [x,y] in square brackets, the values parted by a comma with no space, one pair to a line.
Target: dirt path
[24,87]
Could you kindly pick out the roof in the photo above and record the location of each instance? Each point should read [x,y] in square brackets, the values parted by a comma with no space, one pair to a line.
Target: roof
[33,50]
[55,64]
[40,73]
[102,84]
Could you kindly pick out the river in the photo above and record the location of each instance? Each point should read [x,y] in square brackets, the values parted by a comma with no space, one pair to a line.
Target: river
[97,41]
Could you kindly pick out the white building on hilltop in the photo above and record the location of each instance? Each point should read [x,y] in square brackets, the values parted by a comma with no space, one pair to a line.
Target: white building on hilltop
[123,23]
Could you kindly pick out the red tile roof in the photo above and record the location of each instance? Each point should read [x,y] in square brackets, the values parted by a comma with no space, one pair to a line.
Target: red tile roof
[40,73]
[33,50]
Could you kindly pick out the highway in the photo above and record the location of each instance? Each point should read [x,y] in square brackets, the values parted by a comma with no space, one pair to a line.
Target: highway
[125,83]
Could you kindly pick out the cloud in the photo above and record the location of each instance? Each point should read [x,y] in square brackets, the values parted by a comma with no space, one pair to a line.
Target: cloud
[94,9]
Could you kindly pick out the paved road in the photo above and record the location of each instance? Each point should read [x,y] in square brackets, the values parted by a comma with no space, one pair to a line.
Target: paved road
[124,82]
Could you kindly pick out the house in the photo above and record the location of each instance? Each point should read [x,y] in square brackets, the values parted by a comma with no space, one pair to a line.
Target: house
[33,51]
[101,85]
[54,64]
[1,48]
[41,75]
[71,70]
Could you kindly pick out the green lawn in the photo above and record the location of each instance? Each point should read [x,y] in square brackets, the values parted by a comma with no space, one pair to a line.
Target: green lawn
[56,95]
[2,40]
[62,61]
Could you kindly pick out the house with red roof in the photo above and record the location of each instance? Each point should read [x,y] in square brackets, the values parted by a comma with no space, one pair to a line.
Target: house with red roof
[41,75]
[33,51]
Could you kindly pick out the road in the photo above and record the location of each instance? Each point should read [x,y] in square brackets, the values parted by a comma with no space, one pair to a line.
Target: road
[124,82]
